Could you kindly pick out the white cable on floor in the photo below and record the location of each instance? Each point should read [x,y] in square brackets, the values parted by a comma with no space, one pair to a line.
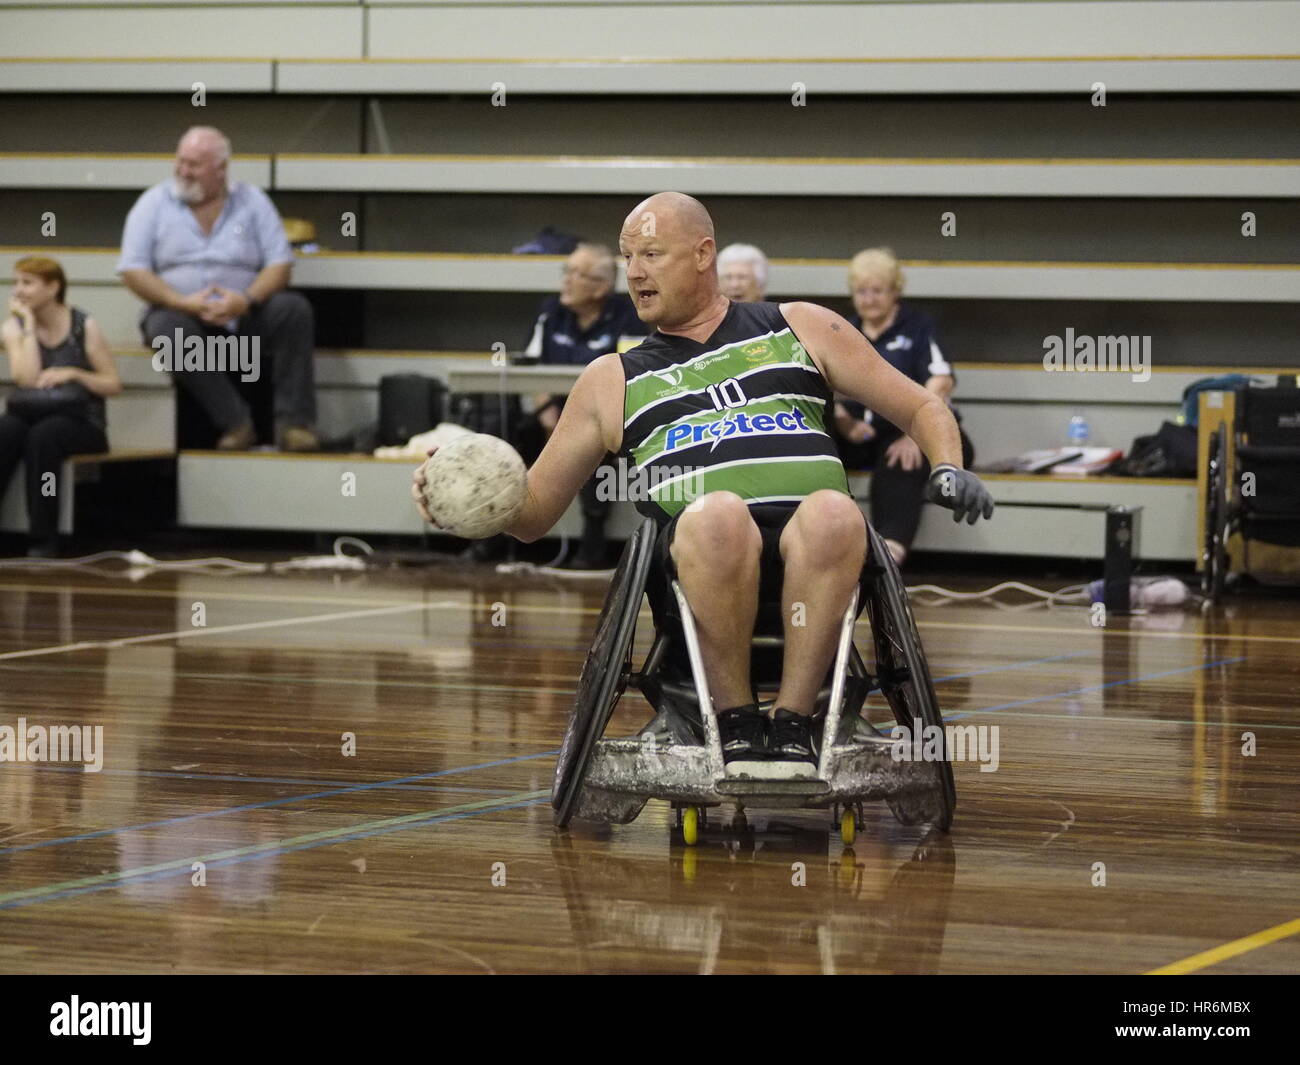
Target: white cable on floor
[136,558]
[340,559]
[137,561]
[1077,592]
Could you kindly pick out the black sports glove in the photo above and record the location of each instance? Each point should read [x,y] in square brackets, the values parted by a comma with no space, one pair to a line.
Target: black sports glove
[961,492]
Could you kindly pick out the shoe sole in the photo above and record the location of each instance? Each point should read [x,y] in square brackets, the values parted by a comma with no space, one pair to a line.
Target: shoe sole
[789,769]
[747,768]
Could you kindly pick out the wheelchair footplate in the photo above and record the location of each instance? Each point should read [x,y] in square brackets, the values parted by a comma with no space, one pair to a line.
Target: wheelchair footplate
[625,773]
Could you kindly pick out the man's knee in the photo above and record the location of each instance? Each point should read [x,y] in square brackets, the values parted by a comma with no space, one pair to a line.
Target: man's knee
[287,309]
[717,531]
[827,529]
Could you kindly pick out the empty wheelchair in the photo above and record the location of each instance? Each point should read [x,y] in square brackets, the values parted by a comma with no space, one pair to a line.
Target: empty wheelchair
[1252,487]
[677,757]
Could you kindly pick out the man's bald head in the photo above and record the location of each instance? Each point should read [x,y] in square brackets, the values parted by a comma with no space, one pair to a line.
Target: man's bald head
[668,244]
[208,140]
[200,170]
[674,214]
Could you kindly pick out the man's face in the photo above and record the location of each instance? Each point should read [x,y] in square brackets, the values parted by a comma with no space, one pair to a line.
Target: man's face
[873,297]
[738,281]
[662,273]
[583,283]
[199,177]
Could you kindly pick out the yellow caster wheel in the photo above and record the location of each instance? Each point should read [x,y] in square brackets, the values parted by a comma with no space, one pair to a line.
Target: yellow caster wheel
[691,826]
[848,827]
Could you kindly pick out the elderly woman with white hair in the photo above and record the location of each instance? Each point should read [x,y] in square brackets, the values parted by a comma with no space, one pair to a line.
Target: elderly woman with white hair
[904,337]
[742,273]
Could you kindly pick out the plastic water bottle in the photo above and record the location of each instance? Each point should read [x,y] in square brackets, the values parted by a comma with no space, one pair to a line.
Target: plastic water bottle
[1078,436]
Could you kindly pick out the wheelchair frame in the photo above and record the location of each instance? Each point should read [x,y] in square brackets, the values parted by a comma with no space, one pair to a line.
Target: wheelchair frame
[1227,512]
[677,757]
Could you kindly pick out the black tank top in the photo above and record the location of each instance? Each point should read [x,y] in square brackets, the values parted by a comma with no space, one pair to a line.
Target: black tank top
[72,352]
[744,412]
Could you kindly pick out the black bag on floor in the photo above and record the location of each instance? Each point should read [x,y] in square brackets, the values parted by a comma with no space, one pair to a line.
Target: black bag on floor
[1171,452]
[409,404]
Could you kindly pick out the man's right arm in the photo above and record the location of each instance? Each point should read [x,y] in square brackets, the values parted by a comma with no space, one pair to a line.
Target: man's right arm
[151,288]
[590,425]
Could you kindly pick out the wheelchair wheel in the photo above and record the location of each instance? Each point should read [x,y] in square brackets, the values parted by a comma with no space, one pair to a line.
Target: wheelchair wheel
[901,668]
[1214,553]
[605,672]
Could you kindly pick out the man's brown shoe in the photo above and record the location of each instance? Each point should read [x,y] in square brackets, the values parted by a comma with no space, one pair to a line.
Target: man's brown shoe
[298,438]
[240,438]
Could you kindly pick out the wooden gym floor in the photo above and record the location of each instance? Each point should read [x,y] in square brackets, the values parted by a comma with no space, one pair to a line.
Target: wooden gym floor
[1124,829]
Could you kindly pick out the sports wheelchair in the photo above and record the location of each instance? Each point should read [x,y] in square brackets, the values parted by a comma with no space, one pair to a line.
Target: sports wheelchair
[678,756]
[1251,485]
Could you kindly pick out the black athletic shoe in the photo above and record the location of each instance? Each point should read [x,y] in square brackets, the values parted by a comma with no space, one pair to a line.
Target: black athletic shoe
[791,752]
[744,732]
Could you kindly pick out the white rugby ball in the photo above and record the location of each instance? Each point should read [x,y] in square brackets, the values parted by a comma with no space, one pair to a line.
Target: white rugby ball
[475,486]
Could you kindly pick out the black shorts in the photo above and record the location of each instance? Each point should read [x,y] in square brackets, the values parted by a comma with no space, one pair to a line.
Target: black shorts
[771,520]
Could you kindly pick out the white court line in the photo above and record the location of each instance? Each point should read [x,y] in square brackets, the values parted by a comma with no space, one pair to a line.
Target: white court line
[185,634]
[533,608]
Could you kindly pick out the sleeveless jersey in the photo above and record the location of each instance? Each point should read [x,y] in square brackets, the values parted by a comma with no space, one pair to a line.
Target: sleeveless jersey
[743,412]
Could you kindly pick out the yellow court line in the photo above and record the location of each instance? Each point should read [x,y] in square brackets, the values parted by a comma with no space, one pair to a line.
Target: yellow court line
[1228,950]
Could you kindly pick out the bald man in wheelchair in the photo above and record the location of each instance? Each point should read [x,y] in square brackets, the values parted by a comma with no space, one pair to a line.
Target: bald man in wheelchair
[732,400]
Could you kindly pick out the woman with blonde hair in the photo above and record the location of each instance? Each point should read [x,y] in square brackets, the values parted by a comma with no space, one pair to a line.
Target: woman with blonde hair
[905,338]
[62,370]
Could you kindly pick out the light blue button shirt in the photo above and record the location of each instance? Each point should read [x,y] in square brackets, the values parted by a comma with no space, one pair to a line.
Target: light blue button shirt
[162,235]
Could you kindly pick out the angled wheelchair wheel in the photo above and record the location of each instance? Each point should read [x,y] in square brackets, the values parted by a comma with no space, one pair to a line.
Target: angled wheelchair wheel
[606,670]
[901,669]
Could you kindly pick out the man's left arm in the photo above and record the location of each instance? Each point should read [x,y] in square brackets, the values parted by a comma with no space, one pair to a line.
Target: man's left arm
[853,367]
[277,254]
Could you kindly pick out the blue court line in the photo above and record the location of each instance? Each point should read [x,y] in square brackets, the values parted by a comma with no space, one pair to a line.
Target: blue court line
[270,853]
[1099,687]
[232,778]
[394,783]
[270,803]
[275,852]
[1079,691]
[1014,665]
[522,758]
[397,782]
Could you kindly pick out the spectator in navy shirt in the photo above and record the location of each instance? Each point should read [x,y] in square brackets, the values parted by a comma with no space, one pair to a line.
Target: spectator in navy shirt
[904,337]
[586,320]
[210,257]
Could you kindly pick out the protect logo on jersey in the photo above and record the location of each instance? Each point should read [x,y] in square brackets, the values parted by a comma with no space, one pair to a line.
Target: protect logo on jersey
[736,423]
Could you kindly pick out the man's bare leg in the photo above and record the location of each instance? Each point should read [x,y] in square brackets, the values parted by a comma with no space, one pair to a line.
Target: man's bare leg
[823,546]
[716,550]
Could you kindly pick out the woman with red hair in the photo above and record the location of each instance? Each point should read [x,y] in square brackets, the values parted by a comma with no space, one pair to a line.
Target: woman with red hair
[62,370]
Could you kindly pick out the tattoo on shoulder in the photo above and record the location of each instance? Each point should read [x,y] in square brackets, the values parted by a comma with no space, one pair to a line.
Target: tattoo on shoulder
[835,327]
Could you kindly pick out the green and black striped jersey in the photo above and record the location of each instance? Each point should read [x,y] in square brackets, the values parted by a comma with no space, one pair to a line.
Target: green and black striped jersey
[743,412]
